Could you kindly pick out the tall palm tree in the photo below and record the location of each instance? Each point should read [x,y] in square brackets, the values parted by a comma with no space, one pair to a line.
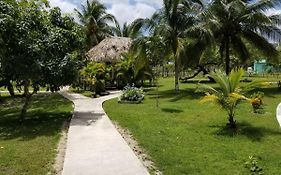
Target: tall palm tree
[237,23]
[132,30]
[96,21]
[170,22]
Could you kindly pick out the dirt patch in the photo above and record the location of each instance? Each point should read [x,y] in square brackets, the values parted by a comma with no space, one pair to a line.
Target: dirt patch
[59,161]
[140,152]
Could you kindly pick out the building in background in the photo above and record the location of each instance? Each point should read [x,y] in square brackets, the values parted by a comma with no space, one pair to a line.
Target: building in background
[261,66]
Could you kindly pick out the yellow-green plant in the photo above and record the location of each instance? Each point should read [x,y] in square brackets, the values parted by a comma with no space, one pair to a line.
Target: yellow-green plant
[230,92]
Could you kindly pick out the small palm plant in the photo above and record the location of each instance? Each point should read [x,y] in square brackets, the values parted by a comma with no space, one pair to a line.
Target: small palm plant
[230,92]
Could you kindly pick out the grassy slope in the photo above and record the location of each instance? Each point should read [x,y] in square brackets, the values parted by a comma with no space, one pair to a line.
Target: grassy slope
[30,148]
[185,137]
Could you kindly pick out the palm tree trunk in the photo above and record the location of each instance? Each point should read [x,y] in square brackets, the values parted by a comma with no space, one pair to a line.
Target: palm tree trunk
[177,87]
[227,56]
[232,123]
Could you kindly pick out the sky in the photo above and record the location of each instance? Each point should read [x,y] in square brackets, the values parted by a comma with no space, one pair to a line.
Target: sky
[123,10]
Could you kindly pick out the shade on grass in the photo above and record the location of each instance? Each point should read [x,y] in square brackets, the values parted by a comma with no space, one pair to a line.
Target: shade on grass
[185,137]
[30,148]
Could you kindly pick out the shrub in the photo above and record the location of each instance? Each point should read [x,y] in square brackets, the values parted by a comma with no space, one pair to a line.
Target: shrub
[257,101]
[131,94]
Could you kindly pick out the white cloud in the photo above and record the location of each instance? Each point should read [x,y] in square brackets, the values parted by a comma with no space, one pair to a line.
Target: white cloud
[64,5]
[154,3]
[273,12]
[123,10]
[128,13]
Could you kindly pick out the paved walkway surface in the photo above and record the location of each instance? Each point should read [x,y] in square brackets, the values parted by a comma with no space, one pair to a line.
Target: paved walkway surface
[94,146]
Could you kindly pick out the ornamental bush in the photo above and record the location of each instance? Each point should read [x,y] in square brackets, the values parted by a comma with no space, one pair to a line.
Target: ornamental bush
[131,94]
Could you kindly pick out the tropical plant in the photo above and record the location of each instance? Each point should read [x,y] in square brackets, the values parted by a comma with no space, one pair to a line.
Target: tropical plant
[93,76]
[171,23]
[132,30]
[125,70]
[230,92]
[149,51]
[96,22]
[237,25]
[257,101]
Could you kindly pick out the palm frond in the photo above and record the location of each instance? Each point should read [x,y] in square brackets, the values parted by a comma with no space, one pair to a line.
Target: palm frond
[235,77]
[222,80]
[209,98]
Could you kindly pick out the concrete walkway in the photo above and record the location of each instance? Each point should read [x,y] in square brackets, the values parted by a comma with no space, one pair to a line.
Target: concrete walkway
[94,146]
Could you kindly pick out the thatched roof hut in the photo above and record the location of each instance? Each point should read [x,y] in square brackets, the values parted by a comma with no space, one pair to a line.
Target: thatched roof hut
[110,49]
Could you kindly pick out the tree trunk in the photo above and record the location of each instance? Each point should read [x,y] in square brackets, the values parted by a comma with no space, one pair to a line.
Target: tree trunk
[27,101]
[227,56]
[177,87]
[10,88]
[25,107]
[232,122]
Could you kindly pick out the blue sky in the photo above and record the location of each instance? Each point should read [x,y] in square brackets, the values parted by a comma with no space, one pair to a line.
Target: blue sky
[123,10]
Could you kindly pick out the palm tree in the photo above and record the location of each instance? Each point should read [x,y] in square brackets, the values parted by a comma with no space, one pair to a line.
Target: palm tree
[170,22]
[235,24]
[96,21]
[132,30]
[230,92]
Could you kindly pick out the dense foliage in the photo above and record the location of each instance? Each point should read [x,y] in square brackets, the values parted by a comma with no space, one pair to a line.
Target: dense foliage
[38,46]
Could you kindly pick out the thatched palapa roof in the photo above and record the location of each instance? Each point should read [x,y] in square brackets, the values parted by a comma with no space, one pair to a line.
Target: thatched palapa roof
[110,49]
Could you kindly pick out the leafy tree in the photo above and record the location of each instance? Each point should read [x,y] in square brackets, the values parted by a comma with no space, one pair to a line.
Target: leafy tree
[7,22]
[96,22]
[132,30]
[236,23]
[230,93]
[39,48]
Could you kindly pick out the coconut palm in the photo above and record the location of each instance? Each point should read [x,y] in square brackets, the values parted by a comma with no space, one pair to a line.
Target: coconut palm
[170,22]
[96,21]
[230,92]
[132,30]
[236,24]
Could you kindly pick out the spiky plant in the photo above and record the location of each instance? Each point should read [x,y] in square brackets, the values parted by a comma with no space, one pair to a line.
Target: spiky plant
[230,92]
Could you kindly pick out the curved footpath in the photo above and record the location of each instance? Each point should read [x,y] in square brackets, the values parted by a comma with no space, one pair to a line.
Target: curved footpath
[94,146]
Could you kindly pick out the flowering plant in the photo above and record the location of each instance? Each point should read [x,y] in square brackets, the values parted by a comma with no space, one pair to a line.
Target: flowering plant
[131,94]
[257,101]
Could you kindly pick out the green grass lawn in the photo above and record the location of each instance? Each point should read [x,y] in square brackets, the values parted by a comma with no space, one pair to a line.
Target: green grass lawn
[185,137]
[30,147]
